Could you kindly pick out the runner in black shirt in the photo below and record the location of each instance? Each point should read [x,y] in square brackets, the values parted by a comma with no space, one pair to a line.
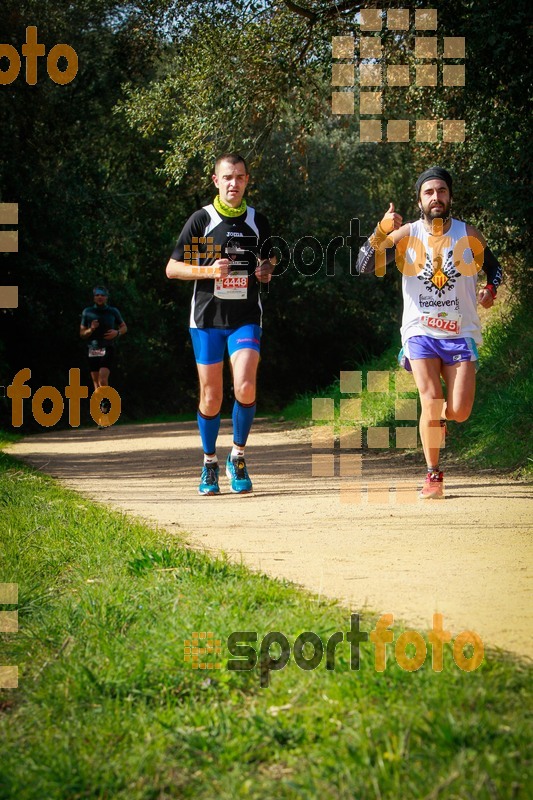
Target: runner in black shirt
[100,326]
[222,249]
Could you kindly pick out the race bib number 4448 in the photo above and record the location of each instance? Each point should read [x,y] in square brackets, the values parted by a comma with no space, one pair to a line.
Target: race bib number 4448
[233,287]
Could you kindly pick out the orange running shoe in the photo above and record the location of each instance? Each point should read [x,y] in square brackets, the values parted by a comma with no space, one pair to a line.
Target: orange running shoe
[433,488]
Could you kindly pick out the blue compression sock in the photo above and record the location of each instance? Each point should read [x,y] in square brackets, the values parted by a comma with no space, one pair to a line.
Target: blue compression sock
[242,417]
[208,427]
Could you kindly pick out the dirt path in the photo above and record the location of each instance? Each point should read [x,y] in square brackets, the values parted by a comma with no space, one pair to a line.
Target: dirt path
[468,557]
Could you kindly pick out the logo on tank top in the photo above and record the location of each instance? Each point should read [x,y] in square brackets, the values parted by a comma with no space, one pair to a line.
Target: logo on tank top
[439,278]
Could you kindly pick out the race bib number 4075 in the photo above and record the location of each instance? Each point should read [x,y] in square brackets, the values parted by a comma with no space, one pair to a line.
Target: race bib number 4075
[449,323]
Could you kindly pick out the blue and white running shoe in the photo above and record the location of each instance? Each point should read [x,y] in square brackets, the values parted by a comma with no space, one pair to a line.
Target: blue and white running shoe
[209,480]
[238,475]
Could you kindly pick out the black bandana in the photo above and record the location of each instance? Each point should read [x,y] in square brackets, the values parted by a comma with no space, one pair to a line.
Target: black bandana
[431,173]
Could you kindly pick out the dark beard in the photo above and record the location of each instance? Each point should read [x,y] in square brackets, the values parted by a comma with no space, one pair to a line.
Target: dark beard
[435,213]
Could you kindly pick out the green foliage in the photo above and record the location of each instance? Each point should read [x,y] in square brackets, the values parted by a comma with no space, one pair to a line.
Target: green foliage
[377,408]
[238,70]
[107,169]
[6,437]
[320,316]
[499,433]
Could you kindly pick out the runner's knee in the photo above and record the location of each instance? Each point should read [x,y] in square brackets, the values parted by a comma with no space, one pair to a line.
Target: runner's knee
[245,391]
[432,407]
[210,400]
[460,414]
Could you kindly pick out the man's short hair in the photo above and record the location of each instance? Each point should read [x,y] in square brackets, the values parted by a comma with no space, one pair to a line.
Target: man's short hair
[233,158]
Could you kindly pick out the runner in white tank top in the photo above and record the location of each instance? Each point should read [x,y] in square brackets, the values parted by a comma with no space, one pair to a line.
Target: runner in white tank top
[440,301]
[439,258]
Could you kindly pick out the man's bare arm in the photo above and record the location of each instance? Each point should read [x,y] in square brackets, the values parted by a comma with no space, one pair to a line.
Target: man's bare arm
[190,272]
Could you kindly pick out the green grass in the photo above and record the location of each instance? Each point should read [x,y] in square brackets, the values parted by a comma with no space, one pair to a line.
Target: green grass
[378,407]
[499,433]
[7,437]
[108,708]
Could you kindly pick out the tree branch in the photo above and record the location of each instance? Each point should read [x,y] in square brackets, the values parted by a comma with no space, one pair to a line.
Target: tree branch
[338,8]
[334,10]
[303,12]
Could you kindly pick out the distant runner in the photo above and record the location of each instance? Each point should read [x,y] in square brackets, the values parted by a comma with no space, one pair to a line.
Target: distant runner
[439,257]
[221,250]
[101,325]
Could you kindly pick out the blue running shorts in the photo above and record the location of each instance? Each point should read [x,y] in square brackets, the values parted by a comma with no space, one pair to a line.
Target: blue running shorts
[209,344]
[450,351]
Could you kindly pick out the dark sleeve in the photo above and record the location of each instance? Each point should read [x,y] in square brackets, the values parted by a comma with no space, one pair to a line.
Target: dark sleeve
[118,316]
[366,260]
[492,268]
[195,226]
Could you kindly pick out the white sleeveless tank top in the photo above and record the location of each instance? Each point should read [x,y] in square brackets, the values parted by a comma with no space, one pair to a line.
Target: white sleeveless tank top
[439,297]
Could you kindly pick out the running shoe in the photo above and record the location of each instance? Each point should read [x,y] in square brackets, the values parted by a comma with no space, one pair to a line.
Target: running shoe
[209,479]
[433,488]
[238,475]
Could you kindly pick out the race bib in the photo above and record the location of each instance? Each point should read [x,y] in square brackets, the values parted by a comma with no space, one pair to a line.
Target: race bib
[95,352]
[233,287]
[444,321]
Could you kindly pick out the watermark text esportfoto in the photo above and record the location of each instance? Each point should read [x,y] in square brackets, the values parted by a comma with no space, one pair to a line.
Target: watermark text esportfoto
[308,255]
[308,650]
